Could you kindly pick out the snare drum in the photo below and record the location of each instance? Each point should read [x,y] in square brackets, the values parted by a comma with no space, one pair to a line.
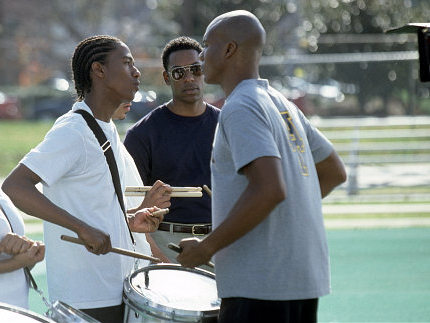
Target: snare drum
[63,313]
[9,313]
[170,293]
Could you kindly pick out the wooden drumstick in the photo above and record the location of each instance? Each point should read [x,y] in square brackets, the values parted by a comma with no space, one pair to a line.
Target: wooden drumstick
[153,214]
[208,190]
[174,189]
[178,249]
[160,212]
[173,194]
[114,250]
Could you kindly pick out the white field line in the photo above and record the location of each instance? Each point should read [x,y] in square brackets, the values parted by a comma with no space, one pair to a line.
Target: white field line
[376,223]
[376,208]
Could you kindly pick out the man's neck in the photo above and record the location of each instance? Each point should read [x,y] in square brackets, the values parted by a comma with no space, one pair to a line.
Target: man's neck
[101,110]
[187,109]
[229,82]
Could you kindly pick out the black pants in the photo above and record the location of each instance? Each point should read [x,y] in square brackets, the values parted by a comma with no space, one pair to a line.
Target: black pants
[246,310]
[111,314]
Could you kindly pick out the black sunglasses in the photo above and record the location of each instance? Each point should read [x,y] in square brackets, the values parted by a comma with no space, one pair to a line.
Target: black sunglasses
[179,72]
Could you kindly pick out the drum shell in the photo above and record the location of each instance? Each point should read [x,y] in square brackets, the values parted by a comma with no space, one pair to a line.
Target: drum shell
[9,313]
[149,310]
[62,312]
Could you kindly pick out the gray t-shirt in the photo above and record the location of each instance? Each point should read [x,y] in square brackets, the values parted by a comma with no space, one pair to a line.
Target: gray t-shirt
[286,256]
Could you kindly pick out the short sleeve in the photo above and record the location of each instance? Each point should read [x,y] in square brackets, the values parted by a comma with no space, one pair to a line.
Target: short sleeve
[61,153]
[132,178]
[320,146]
[249,136]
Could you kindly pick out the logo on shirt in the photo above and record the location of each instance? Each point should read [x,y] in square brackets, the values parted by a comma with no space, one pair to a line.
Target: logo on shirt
[296,141]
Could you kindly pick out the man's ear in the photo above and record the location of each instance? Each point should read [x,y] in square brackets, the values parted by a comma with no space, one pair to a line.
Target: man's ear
[166,78]
[230,49]
[97,69]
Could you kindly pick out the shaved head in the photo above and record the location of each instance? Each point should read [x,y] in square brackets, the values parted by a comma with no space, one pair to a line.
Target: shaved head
[233,44]
[240,26]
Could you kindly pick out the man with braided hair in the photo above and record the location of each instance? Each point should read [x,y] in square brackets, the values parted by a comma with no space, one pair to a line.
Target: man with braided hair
[78,194]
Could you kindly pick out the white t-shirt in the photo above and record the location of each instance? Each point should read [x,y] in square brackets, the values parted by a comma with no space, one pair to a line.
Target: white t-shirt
[13,285]
[76,177]
[132,178]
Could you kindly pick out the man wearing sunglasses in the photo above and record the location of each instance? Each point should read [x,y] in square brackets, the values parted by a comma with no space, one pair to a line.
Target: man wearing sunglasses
[173,143]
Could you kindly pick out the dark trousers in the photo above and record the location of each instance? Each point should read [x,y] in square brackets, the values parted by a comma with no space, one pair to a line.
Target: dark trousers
[246,310]
[111,314]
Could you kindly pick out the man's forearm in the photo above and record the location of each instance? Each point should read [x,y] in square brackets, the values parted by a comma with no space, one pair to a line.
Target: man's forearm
[331,173]
[27,198]
[8,265]
[265,190]
[251,209]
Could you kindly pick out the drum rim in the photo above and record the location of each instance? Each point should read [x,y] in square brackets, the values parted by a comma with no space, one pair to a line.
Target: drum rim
[131,295]
[75,311]
[26,312]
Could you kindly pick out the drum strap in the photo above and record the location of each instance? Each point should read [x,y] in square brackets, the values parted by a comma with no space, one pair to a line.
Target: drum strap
[110,158]
[27,272]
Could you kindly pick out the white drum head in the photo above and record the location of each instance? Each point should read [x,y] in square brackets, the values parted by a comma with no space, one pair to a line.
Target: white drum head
[172,292]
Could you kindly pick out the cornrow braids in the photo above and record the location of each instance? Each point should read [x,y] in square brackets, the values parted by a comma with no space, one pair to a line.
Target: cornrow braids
[180,43]
[90,50]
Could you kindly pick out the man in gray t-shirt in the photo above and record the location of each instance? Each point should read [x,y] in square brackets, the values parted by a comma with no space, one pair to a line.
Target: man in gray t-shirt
[270,169]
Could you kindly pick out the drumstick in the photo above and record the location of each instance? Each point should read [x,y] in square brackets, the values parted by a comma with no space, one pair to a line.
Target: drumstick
[174,189]
[153,214]
[114,250]
[178,249]
[160,212]
[173,194]
[208,190]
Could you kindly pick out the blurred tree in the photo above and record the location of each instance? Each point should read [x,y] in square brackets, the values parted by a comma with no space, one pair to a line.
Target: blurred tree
[279,17]
[38,37]
[45,32]
[355,26]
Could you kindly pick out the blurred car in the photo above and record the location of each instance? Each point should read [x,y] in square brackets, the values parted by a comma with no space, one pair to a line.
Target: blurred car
[9,107]
[328,89]
[51,108]
[143,103]
[51,99]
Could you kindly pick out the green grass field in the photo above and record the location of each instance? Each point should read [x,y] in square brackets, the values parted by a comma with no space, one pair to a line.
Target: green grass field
[16,139]
[378,275]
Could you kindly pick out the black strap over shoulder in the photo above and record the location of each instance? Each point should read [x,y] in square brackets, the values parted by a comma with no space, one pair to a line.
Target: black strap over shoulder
[110,158]
[28,275]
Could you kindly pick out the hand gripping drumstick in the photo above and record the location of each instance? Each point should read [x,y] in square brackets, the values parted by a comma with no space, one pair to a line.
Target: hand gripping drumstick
[114,250]
[160,212]
[178,249]
[155,213]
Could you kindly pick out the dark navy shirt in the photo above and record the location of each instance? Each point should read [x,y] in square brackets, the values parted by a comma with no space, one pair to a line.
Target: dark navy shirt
[176,150]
